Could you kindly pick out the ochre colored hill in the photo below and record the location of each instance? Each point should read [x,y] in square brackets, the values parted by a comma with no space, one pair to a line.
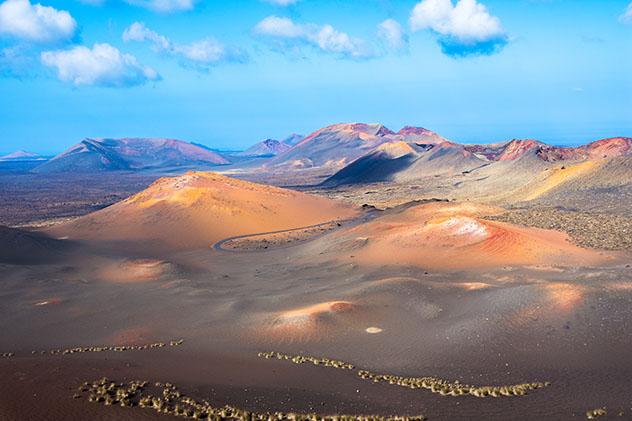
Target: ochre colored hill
[447,236]
[200,208]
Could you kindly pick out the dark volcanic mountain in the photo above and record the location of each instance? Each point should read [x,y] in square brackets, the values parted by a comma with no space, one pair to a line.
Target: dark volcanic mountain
[517,148]
[130,154]
[378,165]
[413,154]
[333,146]
[266,148]
[403,161]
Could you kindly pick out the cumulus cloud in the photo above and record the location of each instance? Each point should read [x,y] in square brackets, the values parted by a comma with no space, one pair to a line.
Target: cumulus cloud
[201,53]
[626,17]
[137,31]
[102,65]
[280,27]
[34,22]
[164,6]
[391,32]
[324,38]
[466,28]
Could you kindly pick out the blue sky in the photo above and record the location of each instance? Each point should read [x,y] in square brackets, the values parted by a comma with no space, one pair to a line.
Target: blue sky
[230,73]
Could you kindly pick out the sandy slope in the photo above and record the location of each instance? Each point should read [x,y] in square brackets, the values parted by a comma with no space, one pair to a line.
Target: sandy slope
[198,209]
[446,236]
[401,294]
[560,176]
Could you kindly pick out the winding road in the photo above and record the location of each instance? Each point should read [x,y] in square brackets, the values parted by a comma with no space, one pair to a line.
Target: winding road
[357,220]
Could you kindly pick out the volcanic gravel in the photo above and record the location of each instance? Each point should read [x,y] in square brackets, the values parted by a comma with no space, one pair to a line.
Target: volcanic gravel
[593,230]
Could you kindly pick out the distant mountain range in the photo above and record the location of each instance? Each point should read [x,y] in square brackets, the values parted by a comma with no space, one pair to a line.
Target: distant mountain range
[130,154]
[416,162]
[136,154]
[333,146]
[22,156]
[413,160]
[349,153]
[357,153]
[517,148]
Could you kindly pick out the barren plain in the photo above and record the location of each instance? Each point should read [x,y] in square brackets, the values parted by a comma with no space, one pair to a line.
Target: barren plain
[200,295]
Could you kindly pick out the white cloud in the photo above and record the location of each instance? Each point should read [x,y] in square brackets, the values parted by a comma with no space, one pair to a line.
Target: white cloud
[137,31]
[392,33]
[207,50]
[164,6]
[324,37]
[280,27]
[282,3]
[626,17]
[334,41]
[103,65]
[463,29]
[34,22]
[201,53]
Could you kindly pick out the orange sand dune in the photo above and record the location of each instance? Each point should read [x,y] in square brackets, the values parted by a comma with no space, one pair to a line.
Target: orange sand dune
[446,236]
[308,322]
[200,208]
[307,314]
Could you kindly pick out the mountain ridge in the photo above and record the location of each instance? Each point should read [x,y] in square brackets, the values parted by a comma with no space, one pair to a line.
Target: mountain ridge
[132,154]
[22,155]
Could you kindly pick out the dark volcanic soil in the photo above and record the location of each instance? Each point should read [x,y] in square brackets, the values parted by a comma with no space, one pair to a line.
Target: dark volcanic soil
[34,199]
[569,326]
[593,230]
[506,325]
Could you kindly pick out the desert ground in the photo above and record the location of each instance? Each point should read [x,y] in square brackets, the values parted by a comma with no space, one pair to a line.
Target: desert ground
[217,295]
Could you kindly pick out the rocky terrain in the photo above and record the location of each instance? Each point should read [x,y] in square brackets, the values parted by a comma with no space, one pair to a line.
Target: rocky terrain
[33,199]
[605,231]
